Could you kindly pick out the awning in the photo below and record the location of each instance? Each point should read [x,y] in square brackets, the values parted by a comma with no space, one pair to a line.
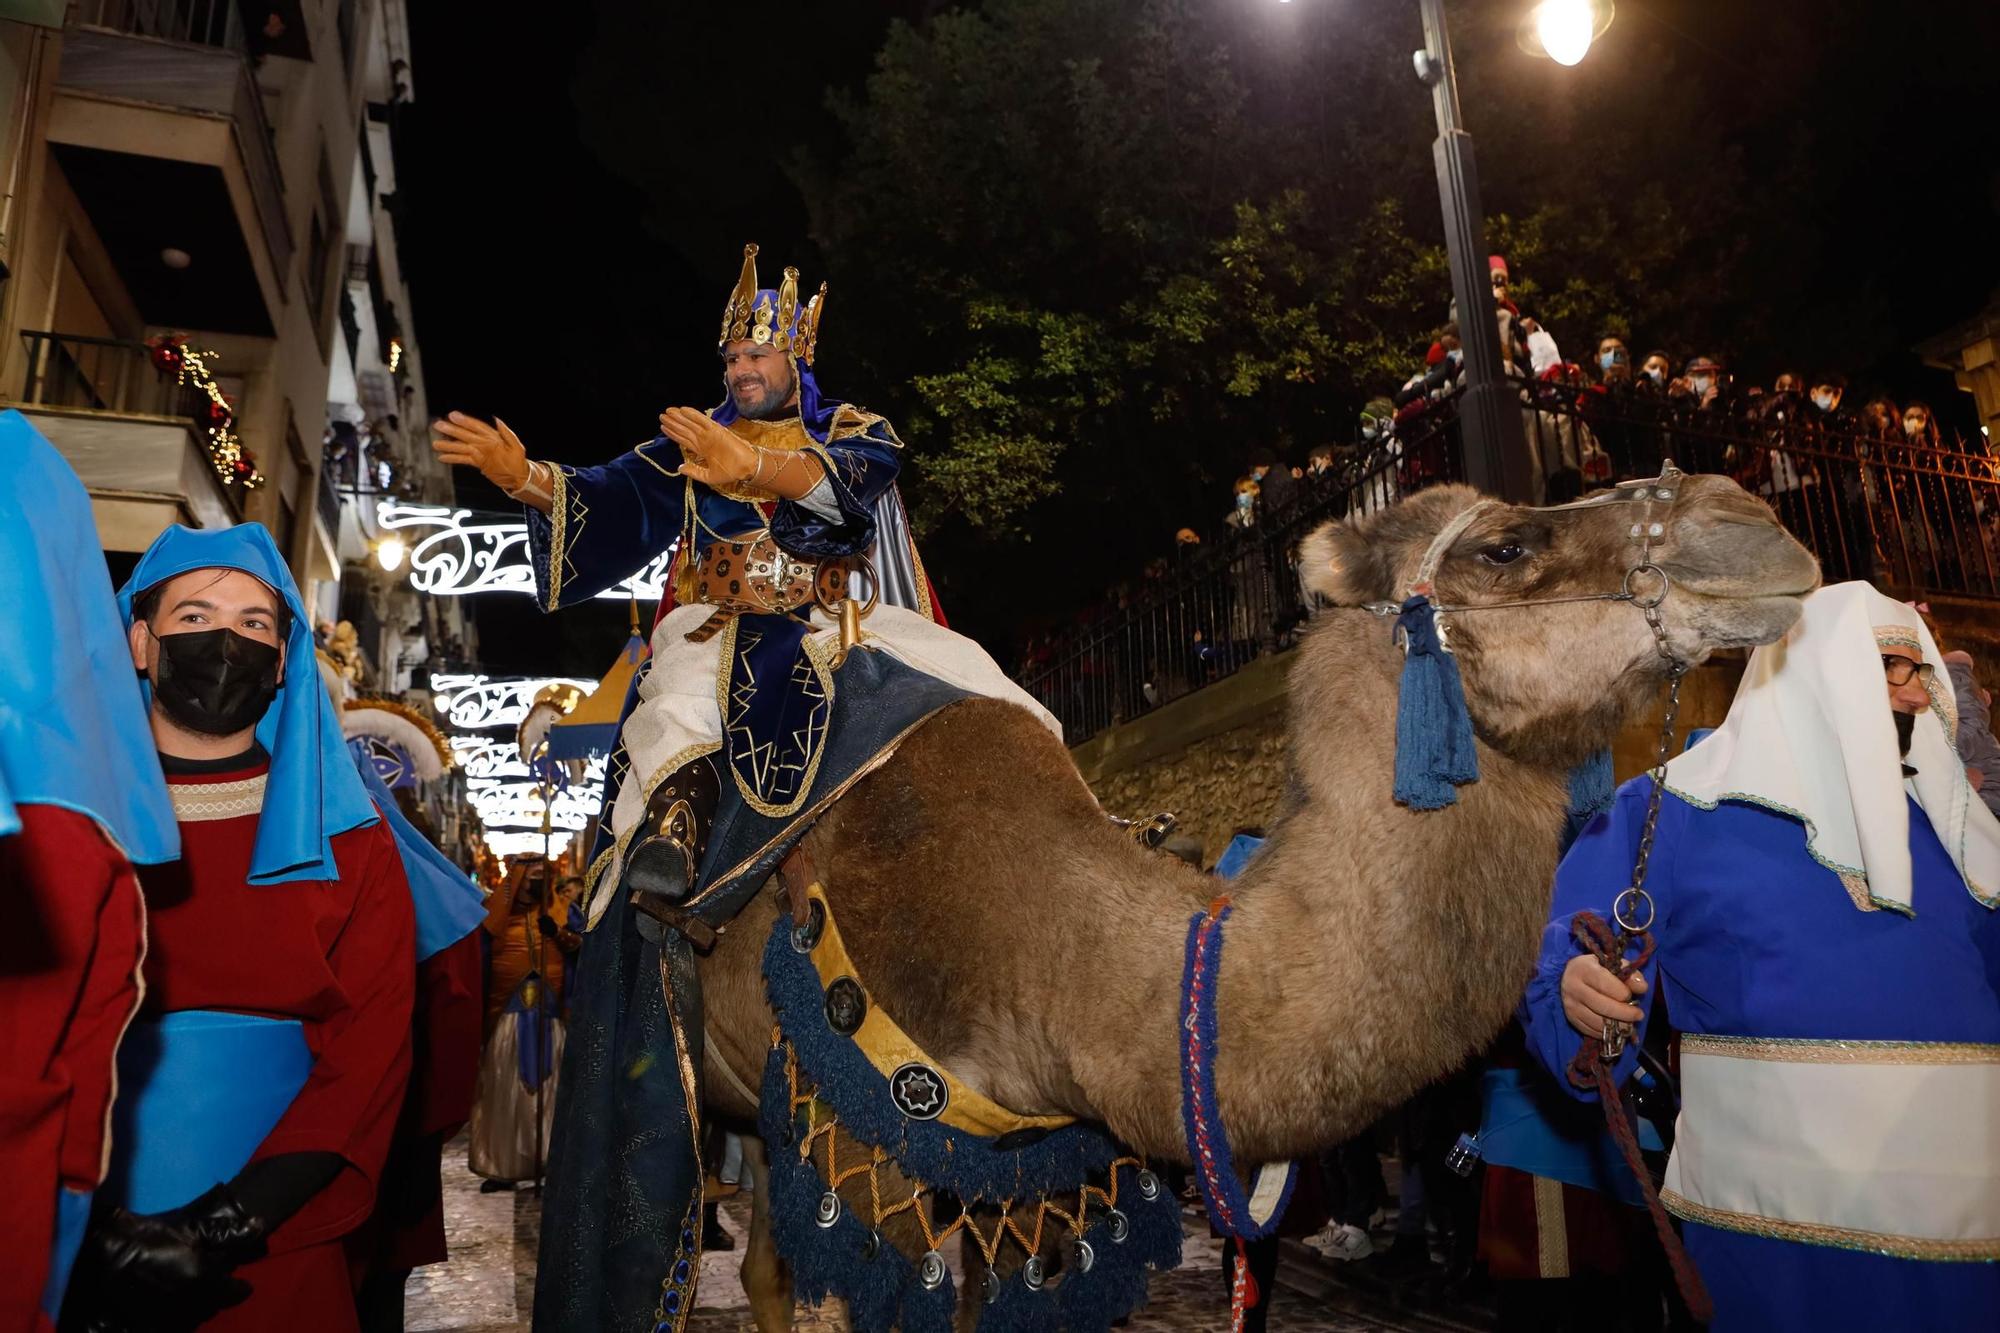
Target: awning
[593,727]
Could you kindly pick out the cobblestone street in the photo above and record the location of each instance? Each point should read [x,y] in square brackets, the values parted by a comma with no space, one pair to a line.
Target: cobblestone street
[488,1287]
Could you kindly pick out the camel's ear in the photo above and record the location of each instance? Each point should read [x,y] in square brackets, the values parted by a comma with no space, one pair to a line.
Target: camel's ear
[1342,565]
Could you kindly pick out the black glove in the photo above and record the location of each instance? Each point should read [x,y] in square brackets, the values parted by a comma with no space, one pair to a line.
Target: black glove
[148,1272]
[548,925]
[223,1228]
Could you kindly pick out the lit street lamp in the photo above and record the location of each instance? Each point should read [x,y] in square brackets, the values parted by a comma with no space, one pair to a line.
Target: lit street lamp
[1496,450]
[1489,413]
[1563,30]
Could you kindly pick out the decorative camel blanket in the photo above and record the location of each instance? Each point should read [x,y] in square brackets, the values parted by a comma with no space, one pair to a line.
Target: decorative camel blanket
[879,1157]
[621,1212]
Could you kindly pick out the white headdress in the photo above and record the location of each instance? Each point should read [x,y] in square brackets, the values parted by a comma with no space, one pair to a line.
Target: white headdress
[1810,734]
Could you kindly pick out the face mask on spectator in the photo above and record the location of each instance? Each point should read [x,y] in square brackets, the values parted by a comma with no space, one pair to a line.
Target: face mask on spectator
[1914,425]
[1824,401]
[1702,384]
[1655,374]
[1244,499]
[1369,430]
[1457,355]
[1610,359]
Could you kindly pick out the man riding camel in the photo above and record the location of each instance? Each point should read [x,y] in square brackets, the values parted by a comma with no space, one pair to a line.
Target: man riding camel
[791,550]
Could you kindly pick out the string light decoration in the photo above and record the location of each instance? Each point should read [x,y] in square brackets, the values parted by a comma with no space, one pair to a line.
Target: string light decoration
[171,355]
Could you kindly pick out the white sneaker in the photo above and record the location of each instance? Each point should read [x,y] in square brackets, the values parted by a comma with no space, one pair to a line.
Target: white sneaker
[1345,1243]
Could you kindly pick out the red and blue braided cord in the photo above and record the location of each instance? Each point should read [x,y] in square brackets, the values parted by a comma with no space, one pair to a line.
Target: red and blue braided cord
[1207,1140]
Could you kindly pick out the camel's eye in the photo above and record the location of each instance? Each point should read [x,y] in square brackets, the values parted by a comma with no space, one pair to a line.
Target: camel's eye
[1503,553]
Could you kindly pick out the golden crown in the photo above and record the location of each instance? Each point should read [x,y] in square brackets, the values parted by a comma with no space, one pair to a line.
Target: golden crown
[772,318]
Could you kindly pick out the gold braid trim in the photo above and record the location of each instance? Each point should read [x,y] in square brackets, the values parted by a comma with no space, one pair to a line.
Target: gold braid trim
[849,420]
[1978,1250]
[558,533]
[1812,1051]
[880,757]
[1551,1228]
[1023,1223]
[819,655]
[415,719]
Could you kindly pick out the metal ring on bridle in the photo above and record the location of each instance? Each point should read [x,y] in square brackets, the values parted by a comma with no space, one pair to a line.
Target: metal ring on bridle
[1647,603]
[1621,918]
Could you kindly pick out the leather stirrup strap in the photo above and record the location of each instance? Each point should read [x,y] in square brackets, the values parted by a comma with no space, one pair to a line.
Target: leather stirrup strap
[795,872]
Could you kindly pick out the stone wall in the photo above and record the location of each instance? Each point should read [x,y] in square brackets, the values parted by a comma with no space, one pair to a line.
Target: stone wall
[1215,758]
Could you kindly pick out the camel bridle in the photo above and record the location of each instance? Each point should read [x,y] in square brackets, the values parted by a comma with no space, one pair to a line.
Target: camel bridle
[1633,910]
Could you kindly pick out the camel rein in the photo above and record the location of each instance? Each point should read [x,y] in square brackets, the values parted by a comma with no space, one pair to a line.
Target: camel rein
[1633,910]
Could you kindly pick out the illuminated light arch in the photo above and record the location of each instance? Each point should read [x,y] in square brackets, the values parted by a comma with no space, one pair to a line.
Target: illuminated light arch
[471,702]
[458,552]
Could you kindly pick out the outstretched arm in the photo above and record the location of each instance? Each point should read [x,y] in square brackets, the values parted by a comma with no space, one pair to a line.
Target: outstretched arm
[588,528]
[498,454]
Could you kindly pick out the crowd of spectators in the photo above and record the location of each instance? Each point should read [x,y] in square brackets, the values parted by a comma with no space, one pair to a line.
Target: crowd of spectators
[1877,491]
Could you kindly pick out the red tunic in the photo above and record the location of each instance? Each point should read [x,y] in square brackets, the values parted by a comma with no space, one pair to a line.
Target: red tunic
[407,1229]
[337,955]
[69,982]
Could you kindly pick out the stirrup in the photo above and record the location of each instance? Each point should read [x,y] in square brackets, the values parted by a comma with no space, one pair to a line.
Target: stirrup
[663,864]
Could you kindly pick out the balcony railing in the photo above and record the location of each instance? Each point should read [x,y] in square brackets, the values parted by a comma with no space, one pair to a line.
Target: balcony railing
[195,56]
[126,428]
[327,495]
[203,22]
[1914,516]
[105,375]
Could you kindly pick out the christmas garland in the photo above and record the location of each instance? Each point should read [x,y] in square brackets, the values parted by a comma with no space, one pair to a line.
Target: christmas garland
[171,355]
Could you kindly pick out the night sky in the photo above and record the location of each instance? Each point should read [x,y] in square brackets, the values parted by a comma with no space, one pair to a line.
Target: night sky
[578,193]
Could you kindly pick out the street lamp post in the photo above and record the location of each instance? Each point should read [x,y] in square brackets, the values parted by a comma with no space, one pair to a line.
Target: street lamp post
[1496,449]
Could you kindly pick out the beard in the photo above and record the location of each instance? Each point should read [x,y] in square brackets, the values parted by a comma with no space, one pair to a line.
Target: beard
[762,399]
[1906,730]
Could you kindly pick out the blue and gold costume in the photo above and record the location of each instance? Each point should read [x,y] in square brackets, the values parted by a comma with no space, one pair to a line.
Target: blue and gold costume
[768,663]
[604,522]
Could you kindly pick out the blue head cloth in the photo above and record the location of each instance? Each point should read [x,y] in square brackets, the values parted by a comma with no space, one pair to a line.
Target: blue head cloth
[312,792]
[1434,746]
[73,729]
[448,905]
[815,411]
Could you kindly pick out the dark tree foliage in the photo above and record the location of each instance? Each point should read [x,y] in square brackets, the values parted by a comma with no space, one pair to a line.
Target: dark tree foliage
[1103,249]
[1088,254]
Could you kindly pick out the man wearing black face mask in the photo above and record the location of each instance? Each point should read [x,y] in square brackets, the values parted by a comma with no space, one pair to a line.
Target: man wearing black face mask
[267,1066]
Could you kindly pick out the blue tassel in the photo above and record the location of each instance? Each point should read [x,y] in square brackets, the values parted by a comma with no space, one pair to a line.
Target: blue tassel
[1434,749]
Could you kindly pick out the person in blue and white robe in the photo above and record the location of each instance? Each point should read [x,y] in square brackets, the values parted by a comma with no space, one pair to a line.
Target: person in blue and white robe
[1825,883]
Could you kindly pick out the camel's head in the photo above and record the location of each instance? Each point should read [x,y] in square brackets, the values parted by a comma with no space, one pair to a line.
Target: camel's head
[1551,682]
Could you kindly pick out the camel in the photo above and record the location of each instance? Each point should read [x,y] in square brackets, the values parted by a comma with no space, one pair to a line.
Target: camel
[1036,951]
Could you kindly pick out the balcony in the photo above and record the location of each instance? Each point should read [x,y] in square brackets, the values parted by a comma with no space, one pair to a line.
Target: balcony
[158,101]
[132,435]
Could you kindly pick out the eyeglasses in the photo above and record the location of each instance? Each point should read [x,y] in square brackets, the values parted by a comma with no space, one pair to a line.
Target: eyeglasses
[1900,669]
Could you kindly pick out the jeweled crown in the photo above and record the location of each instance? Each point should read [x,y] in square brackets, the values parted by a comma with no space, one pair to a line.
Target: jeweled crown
[772,318]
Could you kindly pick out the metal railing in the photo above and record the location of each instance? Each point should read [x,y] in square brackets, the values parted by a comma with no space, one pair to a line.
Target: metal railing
[105,375]
[202,82]
[203,22]
[1228,603]
[1914,516]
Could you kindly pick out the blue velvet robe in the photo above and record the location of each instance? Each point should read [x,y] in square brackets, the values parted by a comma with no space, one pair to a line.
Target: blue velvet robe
[608,521]
[1755,938]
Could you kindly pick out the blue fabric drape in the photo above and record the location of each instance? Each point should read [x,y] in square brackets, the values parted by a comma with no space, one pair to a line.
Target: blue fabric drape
[448,904]
[73,729]
[312,792]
